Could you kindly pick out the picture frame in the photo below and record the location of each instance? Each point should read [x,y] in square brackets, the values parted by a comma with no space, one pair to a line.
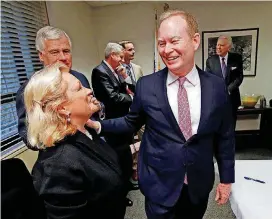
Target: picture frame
[245,42]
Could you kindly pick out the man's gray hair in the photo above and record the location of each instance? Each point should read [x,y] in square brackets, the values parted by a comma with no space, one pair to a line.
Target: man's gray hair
[226,37]
[49,33]
[112,48]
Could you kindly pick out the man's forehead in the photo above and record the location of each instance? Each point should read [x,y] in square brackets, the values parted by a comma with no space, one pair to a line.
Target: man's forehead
[129,45]
[173,23]
[61,42]
[172,33]
[222,41]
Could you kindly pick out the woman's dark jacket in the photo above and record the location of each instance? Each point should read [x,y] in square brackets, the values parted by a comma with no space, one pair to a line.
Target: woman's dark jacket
[80,178]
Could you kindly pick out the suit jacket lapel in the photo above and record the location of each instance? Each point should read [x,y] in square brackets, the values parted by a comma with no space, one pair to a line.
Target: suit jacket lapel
[110,73]
[229,64]
[136,71]
[207,91]
[161,94]
[93,146]
[218,66]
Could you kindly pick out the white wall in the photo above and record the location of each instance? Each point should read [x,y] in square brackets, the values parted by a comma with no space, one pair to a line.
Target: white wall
[76,19]
[135,21]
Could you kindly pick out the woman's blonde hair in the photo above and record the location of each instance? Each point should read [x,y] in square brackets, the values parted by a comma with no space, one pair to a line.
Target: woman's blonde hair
[43,96]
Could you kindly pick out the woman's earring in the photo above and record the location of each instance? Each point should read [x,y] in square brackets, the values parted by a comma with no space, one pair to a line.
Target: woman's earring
[68,118]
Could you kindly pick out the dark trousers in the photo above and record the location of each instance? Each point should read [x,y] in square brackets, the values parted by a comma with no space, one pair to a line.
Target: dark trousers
[183,209]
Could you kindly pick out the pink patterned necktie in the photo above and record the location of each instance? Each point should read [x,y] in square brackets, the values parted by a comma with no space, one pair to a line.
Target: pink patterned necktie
[184,117]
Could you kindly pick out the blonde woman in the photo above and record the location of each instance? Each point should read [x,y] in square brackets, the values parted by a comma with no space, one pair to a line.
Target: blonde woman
[76,174]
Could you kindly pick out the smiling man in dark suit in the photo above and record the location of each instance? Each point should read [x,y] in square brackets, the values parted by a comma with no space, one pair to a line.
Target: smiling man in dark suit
[187,117]
[229,66]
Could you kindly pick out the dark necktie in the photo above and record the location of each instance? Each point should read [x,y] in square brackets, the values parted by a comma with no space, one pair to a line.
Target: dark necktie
[129,73]
[224,68]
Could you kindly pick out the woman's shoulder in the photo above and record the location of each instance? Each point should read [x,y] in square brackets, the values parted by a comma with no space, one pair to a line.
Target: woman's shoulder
[64,151]
[78,152]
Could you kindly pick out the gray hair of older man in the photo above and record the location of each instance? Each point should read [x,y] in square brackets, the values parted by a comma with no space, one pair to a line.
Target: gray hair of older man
[228,38]
[49,33]
[112,48]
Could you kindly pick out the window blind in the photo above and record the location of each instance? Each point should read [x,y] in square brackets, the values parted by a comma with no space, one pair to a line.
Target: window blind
[20,21]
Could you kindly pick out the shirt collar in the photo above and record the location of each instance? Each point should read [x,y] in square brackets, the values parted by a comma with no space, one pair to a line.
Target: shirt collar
[226,57]
[192,77]
[127,65]
[109,66]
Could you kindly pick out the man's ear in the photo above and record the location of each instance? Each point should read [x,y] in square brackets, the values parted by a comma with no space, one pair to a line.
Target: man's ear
[229,48]
[196,40]
[112,55]
[41,56]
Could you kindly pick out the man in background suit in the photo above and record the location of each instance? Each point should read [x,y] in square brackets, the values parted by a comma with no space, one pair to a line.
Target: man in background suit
[111,84]
[133,70]
[115,89]
[187,118]
[53,45]
[229,66]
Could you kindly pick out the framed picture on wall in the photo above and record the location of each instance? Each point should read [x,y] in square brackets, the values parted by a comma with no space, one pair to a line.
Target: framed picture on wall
[245,42]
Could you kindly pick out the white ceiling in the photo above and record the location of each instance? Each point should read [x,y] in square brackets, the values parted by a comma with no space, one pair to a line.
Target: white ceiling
[95,4]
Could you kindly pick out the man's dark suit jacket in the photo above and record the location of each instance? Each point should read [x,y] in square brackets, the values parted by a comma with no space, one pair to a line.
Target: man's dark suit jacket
[110,91]
[165,156]
[234,75]
[20,105]
[80,178]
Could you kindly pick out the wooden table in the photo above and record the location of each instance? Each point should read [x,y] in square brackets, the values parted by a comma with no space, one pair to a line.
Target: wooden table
[256,110]
[263,136]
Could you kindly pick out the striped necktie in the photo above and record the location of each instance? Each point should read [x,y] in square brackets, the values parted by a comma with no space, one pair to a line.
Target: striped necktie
[224,68]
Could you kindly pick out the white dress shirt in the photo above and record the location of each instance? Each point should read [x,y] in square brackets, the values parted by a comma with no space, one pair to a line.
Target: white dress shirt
[88,135]
[193,88]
